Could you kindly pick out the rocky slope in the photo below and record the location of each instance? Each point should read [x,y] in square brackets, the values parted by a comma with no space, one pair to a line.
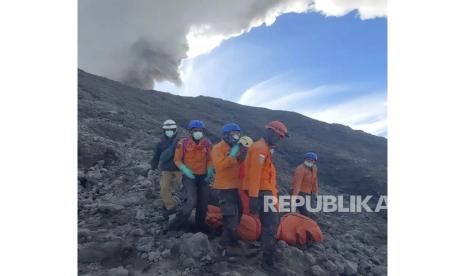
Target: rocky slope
[120,225]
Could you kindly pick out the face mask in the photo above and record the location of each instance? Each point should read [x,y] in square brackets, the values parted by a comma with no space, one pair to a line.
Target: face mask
[169,133]
[308,164]
[274,140]
[236,137]
[197,135]
[272,151]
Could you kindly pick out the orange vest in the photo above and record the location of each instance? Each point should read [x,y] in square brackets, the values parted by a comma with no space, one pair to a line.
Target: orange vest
[259,171]
[226,167]
[196,156]
[305,180]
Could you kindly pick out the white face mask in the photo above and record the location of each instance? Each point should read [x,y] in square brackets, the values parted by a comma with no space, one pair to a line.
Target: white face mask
[272,151]
[169,133]
[236,137]
[308,164]
[197,135]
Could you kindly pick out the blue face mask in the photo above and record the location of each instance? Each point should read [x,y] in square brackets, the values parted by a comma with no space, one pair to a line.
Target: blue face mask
[197,135]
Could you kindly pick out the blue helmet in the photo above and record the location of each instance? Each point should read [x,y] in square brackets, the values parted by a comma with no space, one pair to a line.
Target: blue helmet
[195,124]
[231,127]
[311,155]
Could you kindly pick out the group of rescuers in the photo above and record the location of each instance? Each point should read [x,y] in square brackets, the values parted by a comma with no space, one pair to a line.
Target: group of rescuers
[235,165]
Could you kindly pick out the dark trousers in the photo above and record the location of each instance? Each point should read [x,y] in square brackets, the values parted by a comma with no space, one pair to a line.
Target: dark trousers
[231,208]
[303,209]
[269,221]
[195,195]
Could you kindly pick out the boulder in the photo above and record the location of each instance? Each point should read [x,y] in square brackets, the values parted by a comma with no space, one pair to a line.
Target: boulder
[145,244]
[141,169]
[109,208]
[318,271]
[350,268]
[310,259]
[100,251]
[330,266]
[140,215]
[154,256]
[195,246]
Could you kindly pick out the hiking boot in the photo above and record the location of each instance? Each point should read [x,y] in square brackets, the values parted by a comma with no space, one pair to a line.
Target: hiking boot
[166,213]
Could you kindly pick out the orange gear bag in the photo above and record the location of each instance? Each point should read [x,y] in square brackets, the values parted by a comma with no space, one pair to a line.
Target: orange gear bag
[249,228]
[214,218]
[295,228]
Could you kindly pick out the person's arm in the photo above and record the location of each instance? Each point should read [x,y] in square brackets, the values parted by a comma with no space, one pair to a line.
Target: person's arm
[178,162]
[209,160]
[178,155]
[156,157]
[168,153]
[297,181]
[254,171]
[315,175]
[222,160]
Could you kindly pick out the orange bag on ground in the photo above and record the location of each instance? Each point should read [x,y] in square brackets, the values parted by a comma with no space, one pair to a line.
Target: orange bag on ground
[295,228]
[249,228]
[214,217]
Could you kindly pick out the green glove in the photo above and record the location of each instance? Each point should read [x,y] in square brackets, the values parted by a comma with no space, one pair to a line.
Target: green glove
[186,171]
[234,150]
[210,173]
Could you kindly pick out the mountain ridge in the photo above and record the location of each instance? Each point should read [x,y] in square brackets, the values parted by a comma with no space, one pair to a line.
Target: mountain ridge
[361,157]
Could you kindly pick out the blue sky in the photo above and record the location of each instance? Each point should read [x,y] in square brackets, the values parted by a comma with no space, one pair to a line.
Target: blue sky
[333,69]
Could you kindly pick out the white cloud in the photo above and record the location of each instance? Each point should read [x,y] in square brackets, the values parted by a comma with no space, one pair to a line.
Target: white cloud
[366,112]
[367,9]
[139,42]
[282,90]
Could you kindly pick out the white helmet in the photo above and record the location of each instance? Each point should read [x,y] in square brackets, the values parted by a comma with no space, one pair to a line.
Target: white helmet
[246,141]
[169,124]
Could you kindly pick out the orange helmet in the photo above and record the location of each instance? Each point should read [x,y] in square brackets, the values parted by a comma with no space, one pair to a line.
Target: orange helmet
[279,128]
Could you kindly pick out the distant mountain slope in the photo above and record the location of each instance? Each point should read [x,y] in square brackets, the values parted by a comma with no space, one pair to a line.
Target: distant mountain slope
[352,161]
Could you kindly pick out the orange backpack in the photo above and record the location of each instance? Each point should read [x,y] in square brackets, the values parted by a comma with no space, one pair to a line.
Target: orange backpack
[249,228]
[214,217]
[295,228]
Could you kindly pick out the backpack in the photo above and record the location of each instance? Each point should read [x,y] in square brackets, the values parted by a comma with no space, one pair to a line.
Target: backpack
[250,228]
[214,218]
[296,228]
[185,141]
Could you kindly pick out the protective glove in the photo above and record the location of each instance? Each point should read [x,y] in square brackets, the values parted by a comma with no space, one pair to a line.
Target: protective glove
[210,174]
[242,154]
[254,205]
[186,171]
[234,150]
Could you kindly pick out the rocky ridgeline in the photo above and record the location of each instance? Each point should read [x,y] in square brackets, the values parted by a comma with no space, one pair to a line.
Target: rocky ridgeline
[121,230]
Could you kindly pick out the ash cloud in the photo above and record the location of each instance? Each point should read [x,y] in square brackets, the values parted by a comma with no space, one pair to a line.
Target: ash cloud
[143,41]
